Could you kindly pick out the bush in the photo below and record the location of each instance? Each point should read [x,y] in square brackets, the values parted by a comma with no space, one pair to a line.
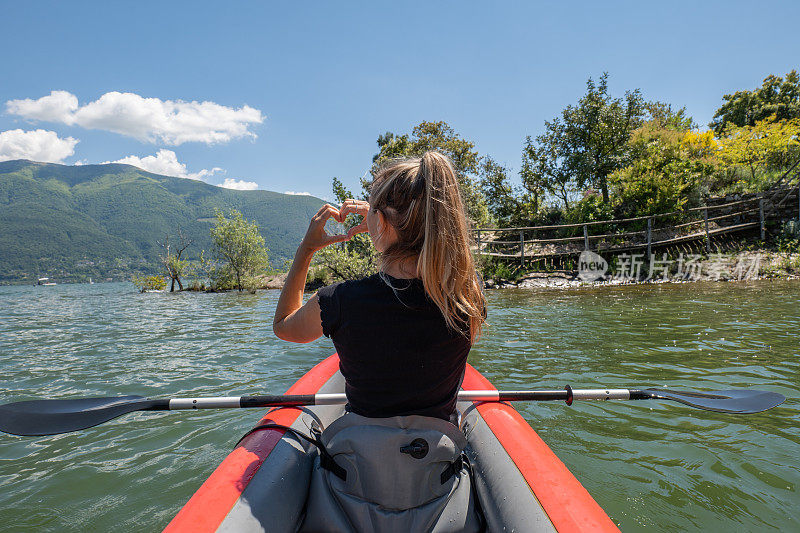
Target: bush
[590,209]
[318,276]
[149,283]
[668,171]
[738,179]
[788,244]
[498,270]
[348,262]
[769,144]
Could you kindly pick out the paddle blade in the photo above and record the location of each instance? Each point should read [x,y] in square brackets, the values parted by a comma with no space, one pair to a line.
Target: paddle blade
[740,401]
[50,417]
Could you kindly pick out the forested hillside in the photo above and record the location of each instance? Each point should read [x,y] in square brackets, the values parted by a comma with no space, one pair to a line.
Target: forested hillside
[101,221]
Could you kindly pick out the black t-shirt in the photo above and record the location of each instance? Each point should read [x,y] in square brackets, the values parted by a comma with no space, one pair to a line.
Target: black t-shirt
[396,352]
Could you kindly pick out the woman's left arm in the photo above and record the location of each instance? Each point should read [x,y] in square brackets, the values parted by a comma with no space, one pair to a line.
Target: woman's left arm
[294,321]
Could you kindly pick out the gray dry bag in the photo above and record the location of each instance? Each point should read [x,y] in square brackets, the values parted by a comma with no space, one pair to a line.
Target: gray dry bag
[400,474]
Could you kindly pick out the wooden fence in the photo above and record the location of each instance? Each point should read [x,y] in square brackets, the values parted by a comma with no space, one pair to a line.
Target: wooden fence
[698,227]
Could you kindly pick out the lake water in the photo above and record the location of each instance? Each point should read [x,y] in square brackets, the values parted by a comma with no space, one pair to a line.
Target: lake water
[651,465]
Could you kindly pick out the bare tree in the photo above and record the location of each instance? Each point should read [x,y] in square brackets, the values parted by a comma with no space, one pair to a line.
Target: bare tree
[174,266]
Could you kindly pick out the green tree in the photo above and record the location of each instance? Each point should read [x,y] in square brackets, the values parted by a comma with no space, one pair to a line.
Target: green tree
[585,144]
[545,167]
[777,96]
[440,136]
[340,192]
[668,171]
[507,204]
[353,259]
[347,264]
[590,208]
[239,247]
[662,115]
[755,146]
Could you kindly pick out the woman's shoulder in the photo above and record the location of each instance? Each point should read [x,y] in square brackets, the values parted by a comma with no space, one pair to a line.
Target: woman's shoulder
[340,299]
[351,286]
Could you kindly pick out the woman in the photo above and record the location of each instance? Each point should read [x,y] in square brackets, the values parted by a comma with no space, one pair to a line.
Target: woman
[402,335]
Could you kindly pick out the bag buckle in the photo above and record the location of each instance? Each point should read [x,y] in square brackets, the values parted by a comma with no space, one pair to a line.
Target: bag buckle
[417,449]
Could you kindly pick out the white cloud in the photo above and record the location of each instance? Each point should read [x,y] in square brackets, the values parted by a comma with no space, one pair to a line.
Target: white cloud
[36,145]
[239,185]
[173,122]
[165,162]
[59,106]
[304,193]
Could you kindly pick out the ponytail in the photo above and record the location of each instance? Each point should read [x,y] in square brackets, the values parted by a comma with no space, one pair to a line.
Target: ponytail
[422,201]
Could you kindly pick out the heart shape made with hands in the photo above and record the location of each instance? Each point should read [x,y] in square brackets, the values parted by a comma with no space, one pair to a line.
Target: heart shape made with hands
[356,207]
[317,237]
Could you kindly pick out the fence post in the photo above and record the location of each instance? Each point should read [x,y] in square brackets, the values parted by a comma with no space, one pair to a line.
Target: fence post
[522,249]
[479,242]
[649,237]
[798,200]
[761,216]
[708,239]
[585,237]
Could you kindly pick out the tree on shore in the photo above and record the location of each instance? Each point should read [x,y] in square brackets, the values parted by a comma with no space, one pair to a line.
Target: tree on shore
[357,258]
[583,146]
[507,203]
[440,136]
[239,249]
[669,170]
[777,96]
[545,169]
[768,141]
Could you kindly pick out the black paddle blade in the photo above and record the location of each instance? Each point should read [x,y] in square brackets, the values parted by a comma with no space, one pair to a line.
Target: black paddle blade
[49,417]
[740,401]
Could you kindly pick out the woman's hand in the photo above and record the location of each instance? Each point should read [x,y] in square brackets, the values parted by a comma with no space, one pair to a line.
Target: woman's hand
[294,321]
[358,207]
[316,237]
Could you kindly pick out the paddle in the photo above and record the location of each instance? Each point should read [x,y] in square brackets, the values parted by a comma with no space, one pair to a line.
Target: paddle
[50,417]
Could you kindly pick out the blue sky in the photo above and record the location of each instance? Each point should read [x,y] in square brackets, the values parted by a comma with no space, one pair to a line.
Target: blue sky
[323,80]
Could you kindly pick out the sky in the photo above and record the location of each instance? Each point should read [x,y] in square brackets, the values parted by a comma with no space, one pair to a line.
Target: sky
[286,96]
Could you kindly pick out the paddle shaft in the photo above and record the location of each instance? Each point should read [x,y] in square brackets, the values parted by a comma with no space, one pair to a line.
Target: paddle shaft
[298,400]
[50,417]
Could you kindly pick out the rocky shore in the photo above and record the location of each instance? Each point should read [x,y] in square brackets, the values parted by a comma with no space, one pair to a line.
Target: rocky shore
[744,266]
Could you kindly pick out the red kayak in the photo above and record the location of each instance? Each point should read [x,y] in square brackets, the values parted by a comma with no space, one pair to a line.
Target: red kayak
[262,485]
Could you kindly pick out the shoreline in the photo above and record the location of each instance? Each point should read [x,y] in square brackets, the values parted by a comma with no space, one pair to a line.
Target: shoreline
[569,280]
[738,267]
[758,265]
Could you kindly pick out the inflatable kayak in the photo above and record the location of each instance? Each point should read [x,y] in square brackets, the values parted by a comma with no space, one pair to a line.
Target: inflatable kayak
[263,484]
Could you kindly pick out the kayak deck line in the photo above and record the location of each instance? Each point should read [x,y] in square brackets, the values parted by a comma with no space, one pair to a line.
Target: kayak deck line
[523,472]
[211,503]
[568,504]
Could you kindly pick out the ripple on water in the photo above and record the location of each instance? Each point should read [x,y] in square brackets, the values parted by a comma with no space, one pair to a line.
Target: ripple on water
[651,465]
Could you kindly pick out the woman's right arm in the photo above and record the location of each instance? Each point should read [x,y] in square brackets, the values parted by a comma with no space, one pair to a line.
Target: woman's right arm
[294,321]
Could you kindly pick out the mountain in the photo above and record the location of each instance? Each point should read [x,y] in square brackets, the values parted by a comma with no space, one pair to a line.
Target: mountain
[105,221]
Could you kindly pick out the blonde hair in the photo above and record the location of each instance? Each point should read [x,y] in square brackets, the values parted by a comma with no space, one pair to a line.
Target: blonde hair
[420,198]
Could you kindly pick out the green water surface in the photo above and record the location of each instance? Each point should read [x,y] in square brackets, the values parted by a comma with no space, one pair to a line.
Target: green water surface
[652,465]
